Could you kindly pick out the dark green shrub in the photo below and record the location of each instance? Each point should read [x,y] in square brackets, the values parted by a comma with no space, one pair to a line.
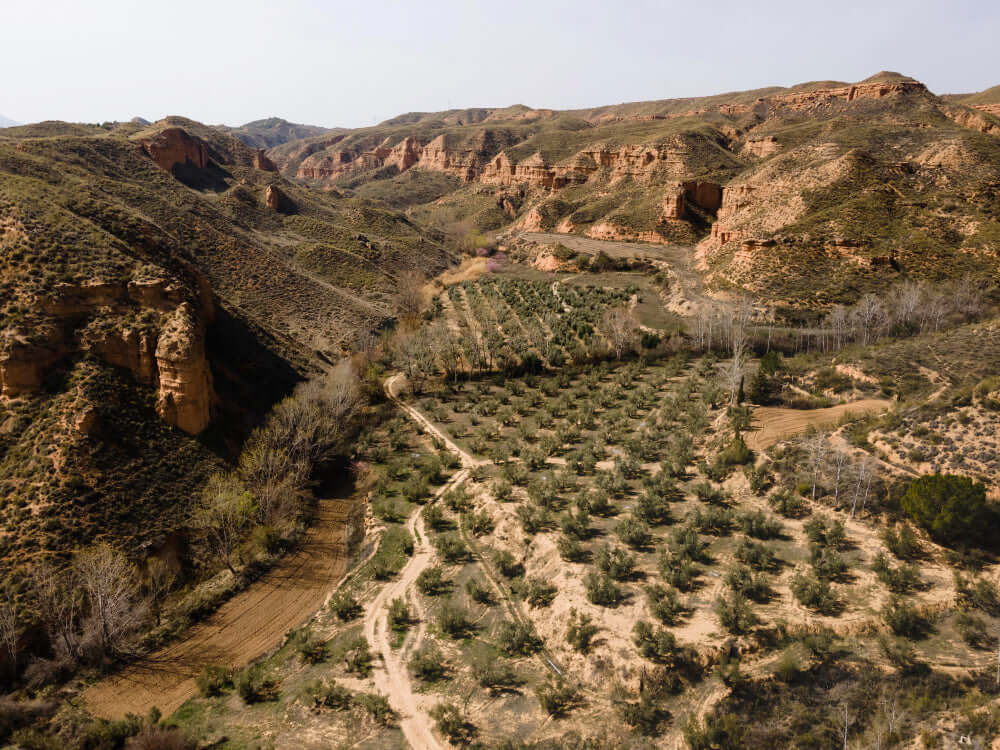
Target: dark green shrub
[664,603]
[454,621]
[723,732]
[507,565]
[814,593]
[479,592]
[431,581]
[580,632]
[602,591]
[655,644]
[452,724]
[902,542]
[399,618]
[451,548]
[557,697]
[634,533]
[253,685]
[900,579]
[310,647]
[615,562]
[376,706]
[904,619]
[538,592]
[517,639]
[358,657]
[951,508]
[735,614]
[427,663]
[213,681]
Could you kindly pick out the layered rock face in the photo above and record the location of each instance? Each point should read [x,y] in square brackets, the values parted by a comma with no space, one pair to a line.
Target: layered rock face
[166,351]
[705,195]
[442,154]
[807,100]
[636,161]
[175,146]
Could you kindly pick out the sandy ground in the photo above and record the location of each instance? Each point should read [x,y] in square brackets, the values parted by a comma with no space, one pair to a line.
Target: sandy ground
[392,678]
[244,628]
[773,423]
[391,675]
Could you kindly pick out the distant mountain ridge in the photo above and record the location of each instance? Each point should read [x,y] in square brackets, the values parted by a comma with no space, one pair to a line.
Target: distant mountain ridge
[6,122]
[272,131]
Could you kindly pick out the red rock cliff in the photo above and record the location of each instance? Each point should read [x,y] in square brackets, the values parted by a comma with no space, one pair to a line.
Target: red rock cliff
[174,146]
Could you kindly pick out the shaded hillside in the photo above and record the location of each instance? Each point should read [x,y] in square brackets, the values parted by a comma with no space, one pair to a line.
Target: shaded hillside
[851,184]
[156,285]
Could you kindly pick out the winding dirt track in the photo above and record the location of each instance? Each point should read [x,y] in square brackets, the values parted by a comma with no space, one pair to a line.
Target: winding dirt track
[391,675]
[244,628]
[772,423]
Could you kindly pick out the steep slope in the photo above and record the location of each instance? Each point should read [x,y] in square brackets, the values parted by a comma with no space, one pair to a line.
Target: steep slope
[156,285]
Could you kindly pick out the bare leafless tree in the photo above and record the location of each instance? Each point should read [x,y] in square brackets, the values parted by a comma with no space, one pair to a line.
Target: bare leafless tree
[620,327]
[276,479]
[847,718]
[313,423]
[112,589]
[840,463]
[816,451]
[864,472]
[59,600]
[409,294]
[160,579]
[10,633]
[413,354]
[446,348]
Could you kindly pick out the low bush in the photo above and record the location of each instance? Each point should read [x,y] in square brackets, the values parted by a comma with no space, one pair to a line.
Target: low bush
[581,631]
[601,590]
[814,593]
[557,697]
[517,639]
[213,681]
[431,581]
[254,686]
[904,619]
[428,664]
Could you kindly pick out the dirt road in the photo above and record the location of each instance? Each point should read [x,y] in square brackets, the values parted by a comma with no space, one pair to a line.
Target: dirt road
[391,675]
[678,258]
[244,628]
[392,678]
[771,423]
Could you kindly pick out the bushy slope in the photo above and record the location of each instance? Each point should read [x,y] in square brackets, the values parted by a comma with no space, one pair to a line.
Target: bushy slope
[101,251]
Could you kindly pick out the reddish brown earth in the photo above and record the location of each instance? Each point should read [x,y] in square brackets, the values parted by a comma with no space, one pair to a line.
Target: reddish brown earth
[243,629]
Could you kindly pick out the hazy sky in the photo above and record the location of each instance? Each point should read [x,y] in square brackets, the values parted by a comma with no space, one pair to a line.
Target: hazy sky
[339,63]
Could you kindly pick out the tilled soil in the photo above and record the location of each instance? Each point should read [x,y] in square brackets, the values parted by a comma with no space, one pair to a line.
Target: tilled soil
[244,628]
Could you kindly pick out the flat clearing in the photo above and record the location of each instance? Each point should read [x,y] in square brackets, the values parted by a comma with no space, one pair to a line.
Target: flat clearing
[244,628]
[773,423]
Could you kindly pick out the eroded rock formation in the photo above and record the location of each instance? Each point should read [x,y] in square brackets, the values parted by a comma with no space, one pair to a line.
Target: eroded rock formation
[163,347]
[175,146]
[261,161]
[185,382]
